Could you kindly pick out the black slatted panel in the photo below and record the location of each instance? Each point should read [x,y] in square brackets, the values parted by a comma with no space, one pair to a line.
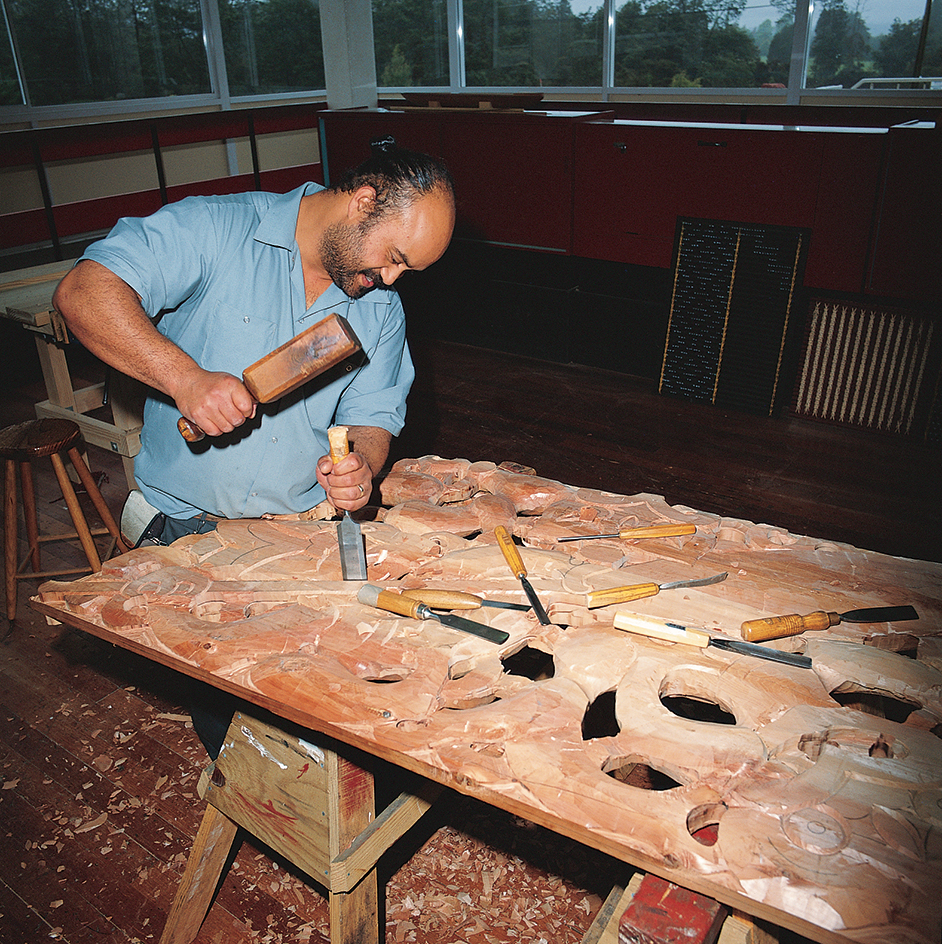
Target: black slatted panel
[733,290]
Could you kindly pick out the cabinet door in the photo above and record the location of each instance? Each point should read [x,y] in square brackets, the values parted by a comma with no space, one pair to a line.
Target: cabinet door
[907,243]
[631,182]
[513,176]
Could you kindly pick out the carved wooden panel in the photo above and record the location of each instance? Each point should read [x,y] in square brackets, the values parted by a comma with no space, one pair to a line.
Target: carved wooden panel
[810,797]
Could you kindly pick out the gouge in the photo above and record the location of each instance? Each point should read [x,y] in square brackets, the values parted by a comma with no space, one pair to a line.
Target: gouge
[457,600]
[638,591]
[651,531]
[310,353]
[674,632]
[774,627]
[513,558]
[371,595]
[349,537]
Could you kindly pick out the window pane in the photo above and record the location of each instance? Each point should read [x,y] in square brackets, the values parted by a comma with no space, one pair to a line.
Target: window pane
[102,50]
[533,43]
[869,45]
[411,42]
[272,46]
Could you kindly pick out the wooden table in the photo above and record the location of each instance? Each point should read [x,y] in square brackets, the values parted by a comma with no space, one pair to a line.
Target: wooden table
[26,297]
[784,792]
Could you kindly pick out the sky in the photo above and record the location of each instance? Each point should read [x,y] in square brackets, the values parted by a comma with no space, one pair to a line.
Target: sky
[879,14]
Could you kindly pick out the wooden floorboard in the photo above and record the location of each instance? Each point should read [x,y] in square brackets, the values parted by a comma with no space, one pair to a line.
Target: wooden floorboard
[98,762]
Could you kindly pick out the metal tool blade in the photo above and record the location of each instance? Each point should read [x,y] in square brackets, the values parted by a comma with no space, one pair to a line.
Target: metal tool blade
[535,602]
[352,553]
[880,614]
[760,652]
[468,626]
[701,582]
[500,604]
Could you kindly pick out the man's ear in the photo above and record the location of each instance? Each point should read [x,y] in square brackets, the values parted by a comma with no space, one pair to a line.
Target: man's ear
[362,203]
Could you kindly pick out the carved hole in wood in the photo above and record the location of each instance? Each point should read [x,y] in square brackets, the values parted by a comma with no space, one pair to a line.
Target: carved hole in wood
[633,771]
[703,822]
[874,703]
[696,696]
[599,720]
[530,663]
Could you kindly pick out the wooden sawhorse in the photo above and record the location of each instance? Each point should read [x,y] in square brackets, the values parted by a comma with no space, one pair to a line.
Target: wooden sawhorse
[308,803]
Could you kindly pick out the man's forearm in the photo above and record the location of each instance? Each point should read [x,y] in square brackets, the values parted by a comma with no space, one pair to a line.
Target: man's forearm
[371,442]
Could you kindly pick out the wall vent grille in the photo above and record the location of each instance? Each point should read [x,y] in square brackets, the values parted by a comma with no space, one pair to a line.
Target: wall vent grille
[865,366]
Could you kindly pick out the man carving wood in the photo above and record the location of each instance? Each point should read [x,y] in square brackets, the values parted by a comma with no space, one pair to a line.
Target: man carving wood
[184,299]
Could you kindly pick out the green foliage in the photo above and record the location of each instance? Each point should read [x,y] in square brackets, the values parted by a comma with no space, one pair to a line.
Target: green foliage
[397,72]
[896,55]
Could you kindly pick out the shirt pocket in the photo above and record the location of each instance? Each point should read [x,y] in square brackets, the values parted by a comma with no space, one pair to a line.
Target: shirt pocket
[233,338]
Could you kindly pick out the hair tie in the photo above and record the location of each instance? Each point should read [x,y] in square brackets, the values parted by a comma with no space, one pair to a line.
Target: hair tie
[383,145]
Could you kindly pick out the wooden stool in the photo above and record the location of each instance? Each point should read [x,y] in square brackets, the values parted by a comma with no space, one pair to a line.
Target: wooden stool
[20,445]
[306,801]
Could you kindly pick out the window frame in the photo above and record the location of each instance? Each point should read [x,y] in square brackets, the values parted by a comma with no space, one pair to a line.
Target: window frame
[606,91]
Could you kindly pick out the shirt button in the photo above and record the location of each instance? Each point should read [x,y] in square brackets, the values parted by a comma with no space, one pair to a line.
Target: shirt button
[274,439]
[246,319]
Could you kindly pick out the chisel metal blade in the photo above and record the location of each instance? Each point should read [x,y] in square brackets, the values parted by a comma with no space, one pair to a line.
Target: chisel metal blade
[469,626]
[760,652]
[352,552]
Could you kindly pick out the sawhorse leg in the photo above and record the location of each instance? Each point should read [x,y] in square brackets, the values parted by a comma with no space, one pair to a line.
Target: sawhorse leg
[308,802]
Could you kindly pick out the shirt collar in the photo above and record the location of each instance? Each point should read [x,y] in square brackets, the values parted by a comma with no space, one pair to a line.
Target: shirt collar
[280,220]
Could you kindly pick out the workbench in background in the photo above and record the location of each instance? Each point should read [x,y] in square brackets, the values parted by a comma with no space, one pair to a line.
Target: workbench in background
[26,298]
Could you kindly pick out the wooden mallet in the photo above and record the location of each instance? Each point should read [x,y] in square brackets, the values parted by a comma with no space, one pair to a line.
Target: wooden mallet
[310,353]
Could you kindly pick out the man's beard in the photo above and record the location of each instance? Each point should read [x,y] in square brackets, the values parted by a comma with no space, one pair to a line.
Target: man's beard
[341,249]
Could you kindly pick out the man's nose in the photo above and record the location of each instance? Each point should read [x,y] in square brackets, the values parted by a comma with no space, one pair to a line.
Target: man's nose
[391,273]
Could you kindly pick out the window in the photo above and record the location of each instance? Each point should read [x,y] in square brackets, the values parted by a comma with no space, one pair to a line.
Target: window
[272,46]
[411,42]
[532,43]
[101,50]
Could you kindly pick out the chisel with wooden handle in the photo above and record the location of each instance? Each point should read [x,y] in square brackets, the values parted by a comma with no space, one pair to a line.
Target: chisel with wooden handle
[650,531]
[674,632]
[349,537]
[639,591]
[775,627]
[507,547]
[371,595]
[457,600]
[297,361]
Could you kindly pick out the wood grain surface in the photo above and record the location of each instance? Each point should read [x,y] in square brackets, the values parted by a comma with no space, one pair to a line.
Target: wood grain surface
[772,788]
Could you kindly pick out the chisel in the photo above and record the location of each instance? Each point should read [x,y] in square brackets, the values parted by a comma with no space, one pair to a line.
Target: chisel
[674,632]
[651,531]
[638,591]
[349,537]
[371,595]
[774,627]
[457,600]
[513,558]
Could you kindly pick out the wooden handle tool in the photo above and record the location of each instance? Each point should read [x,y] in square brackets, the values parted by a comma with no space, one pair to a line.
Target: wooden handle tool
[439,599]
[310,353]
[650,531]
[507,547]
[674,632]
[639,591]
[775,627]
[349,536]
[371,595]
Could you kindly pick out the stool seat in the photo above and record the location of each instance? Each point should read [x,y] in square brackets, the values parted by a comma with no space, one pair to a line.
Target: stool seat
[20,446]
[38,439]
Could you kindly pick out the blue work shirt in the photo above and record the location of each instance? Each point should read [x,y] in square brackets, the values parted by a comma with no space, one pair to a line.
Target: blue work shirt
[224,276]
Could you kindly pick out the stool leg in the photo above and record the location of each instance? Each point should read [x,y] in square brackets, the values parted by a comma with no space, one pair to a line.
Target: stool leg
[203,869]
[29,512]
[97,499]
[75,510]
[9,537]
